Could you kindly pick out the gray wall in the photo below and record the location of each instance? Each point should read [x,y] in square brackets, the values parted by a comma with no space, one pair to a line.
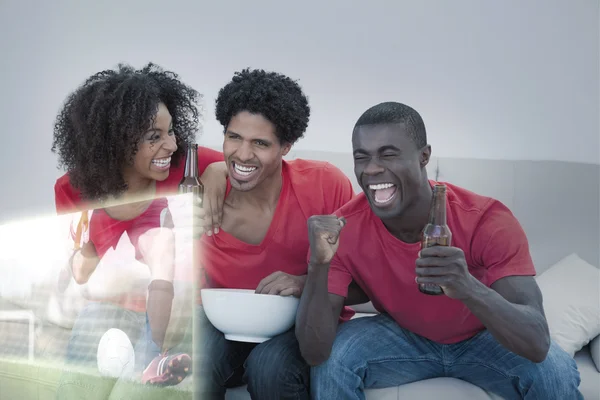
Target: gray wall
[557,203]
[493,79]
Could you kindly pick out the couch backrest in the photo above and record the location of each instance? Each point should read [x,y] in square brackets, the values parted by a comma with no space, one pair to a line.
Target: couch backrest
[557,203]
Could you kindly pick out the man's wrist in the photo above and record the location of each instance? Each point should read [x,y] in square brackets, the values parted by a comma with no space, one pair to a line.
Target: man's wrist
[317,266]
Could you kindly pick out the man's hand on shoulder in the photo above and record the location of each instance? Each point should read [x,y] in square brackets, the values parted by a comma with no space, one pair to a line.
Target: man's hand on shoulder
[282,284]
[214,180]
[446,266]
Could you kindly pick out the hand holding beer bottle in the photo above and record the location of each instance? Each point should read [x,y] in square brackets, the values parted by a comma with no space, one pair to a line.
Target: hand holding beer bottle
[436,232]
[441,268]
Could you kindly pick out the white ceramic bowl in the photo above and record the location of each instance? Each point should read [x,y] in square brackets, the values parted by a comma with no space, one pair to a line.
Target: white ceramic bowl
[244,316]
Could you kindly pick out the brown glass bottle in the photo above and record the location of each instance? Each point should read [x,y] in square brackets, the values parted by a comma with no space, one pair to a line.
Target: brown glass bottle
[190,183]
[436,232]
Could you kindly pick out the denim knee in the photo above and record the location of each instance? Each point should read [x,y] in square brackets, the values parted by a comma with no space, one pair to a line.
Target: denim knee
[276,370]
[557,377]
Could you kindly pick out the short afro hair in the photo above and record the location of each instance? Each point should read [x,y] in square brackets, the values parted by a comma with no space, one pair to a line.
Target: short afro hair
[97,132]
[396,113]
[274,96]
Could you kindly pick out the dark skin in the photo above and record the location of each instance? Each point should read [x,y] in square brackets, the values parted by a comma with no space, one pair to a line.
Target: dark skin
[511,309]
[251,142]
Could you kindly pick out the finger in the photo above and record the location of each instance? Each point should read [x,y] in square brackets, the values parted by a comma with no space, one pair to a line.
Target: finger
[434,271]
[432,262]
[265,281]
[342,221]
[206,206]
[217,213]
[332,238]
[277,288]
[291,291]
[199,215]
[198,232]
[324,220]
[209,206]
[438,251]
[204,216]
[267,288]
[199,219]
[436,280]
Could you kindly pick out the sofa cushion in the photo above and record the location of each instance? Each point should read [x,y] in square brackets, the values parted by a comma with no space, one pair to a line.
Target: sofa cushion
[590,378]
[429,389]
[366,308]
[571,289]
[595,352]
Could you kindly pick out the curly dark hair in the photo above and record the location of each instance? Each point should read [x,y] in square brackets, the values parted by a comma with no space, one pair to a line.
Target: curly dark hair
[98,130]
[391,112]
[274,96]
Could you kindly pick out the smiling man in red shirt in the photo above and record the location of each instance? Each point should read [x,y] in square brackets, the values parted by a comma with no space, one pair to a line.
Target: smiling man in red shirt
[488,328]
[263,240]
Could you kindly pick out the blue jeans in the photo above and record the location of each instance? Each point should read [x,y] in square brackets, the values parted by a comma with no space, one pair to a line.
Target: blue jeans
[273,369]
[374,352]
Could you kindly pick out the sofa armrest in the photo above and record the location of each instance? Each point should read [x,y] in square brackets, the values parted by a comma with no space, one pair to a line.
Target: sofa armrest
[365,308]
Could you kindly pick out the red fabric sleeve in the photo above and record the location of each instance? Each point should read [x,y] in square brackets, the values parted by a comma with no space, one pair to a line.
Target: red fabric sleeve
[501,246]
[66,199]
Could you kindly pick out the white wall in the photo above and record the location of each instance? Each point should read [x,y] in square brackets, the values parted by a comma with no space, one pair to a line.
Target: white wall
[492,79]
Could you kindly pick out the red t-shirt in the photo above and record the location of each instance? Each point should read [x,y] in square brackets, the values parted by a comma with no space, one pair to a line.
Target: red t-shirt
[309,188]
[494,244]
[105,231]
[68,200]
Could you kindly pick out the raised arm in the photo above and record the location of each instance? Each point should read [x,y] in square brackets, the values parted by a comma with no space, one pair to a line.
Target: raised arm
[319,311]
[512,311]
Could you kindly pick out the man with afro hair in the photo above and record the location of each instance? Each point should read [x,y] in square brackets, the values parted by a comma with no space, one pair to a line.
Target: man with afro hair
[263,244]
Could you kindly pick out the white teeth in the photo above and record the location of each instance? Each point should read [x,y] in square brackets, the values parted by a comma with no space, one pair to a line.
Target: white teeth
[381,186]
[242,170]
[162,162]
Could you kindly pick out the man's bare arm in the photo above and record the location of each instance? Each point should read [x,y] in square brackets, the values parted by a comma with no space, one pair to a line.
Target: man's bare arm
[513,313]
[318,316]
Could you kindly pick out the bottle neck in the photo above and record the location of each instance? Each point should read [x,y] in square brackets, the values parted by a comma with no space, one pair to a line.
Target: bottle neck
[191,161]
[437,215]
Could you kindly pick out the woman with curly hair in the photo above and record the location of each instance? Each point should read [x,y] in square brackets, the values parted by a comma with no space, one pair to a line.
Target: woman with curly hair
[122,137]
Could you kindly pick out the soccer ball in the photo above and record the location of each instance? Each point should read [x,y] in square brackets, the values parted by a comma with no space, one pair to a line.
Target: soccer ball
[116,357]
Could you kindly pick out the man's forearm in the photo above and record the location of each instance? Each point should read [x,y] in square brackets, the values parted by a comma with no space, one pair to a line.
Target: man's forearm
[519,328]
[316,324]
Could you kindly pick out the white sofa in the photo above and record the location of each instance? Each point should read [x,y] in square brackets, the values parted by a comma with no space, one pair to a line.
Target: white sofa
[560,216]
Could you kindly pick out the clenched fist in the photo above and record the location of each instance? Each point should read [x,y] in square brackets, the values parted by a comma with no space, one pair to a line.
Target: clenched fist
[323,235]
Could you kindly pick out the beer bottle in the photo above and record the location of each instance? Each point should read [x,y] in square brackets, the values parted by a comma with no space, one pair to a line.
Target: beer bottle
[190,183]
[436,232]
